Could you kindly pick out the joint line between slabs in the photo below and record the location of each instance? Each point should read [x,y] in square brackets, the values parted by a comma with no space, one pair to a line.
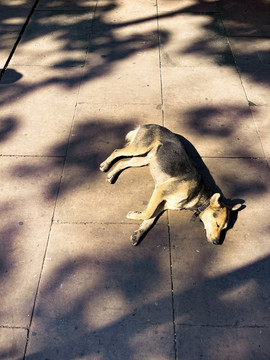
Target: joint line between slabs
[231,157]
[35,156]
[43,263]
[39,279]
[226,326]
[13,327]
[172,293]
[160,62]
[60,222]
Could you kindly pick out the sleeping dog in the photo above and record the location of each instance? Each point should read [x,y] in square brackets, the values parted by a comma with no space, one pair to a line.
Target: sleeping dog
[178,184]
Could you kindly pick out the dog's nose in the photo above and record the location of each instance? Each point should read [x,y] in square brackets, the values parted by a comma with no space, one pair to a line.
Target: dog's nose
[216,242]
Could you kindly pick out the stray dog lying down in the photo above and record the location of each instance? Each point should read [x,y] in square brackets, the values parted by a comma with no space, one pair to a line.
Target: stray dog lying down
[178,184]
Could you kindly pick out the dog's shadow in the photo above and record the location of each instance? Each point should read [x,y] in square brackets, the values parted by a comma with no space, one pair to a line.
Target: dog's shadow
[199,163]
[232,221]
[209,180]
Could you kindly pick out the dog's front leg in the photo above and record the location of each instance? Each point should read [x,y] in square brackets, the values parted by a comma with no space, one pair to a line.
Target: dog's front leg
[146,225]
[156,199]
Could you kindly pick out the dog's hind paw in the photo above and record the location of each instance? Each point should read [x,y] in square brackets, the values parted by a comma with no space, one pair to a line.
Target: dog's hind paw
[103,166]
[135,215]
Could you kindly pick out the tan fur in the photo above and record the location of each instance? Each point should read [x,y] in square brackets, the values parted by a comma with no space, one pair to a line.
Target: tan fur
[178,185]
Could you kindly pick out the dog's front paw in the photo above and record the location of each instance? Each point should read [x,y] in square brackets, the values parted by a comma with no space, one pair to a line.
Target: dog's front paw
[110,178]
[135,237]
[135,215]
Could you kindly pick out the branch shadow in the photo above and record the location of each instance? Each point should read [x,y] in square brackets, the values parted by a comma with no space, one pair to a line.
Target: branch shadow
[91,141]
[93,34]
[69,336]
[84,42]
[8,125]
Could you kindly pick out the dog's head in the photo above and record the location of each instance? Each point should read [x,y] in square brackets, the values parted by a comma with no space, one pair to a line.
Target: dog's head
[216,218]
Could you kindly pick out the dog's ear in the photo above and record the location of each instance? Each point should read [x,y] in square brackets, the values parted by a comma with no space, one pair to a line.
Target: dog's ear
[236,207]
[215,201]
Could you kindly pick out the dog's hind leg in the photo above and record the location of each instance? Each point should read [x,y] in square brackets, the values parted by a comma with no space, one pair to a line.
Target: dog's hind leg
[124,164]
[139,142]
[127,151]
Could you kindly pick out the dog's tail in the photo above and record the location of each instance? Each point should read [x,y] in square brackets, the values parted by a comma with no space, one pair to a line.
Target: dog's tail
[131,135]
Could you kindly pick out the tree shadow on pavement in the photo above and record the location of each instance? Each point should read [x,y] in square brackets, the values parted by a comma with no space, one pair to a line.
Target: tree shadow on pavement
[91,142]
[65,330]
[7,126]
[78,329]
[73,33]
[78,33]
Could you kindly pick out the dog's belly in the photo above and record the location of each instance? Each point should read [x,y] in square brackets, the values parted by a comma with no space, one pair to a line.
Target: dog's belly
[182,195]
[158,175]
[180,204]
[173,205]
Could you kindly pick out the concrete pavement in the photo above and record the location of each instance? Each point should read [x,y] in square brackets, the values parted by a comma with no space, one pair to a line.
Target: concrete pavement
[76,77]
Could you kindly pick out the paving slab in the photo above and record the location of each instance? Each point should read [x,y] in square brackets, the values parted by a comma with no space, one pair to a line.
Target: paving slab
[220,343]
[107,48]
[128,71]
[202,41]
[55,39]
[215,130]
[37,108]
[253,62]
[122,50]
[221,292]
[12,18]
[28,206]
[126,11]
[220,286]
[261,115]
[97,131]
[12,343]
[101,298]
[124,28]
[250,18]
[18,4]
[7,41]
[202,86]
[225,285]
[73,5]
[187,6]
[132,191]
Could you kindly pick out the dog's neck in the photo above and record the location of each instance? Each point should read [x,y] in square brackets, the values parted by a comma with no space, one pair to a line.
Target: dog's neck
[203,201]
[205,195]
